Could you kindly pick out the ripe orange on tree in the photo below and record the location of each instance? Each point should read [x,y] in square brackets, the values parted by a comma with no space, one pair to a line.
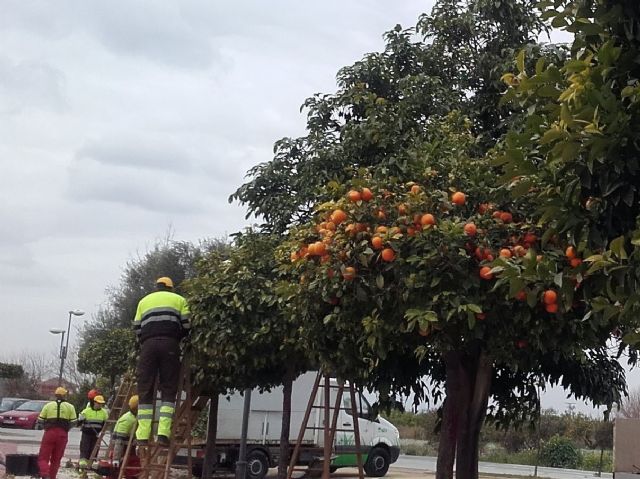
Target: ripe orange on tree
[505,253]
[470,229]
[506,217]
[551,308]
[485,272]
[550,297]
[349,273]
[575,262]
[481,316]
[366,194]
[530,238]
[377,242]
[519,250]
[458,198]
[521,295]
[427,219]
[415,189]
[388,255]
[570,253]
[354,196]
[338,216]
[382,230]
[402,209]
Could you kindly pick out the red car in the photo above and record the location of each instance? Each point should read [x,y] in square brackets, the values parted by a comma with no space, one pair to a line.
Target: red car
[24,416]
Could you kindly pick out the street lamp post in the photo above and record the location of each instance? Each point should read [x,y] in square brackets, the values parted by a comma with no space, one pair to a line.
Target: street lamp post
[65,348]
[61,354]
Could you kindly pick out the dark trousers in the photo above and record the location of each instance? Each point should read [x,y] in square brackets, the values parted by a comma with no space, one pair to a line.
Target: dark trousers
[159,357]
[87,443]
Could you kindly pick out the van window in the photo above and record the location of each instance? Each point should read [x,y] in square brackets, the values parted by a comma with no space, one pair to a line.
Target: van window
[363,407]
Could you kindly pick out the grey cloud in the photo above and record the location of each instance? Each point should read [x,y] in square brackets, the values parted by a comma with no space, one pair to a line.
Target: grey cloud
[30,85]
[146,153]
[155,192]
[150,30]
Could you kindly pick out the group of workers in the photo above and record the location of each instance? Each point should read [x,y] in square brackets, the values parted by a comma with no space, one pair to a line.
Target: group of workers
[161,321]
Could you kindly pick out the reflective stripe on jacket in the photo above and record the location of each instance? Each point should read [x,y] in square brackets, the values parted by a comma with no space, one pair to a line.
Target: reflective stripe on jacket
[58,413]
[92,420]
[162,313]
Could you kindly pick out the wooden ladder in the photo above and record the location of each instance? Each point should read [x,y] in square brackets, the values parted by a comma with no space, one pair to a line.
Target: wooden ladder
[120,403]
[156,460]
[329,430]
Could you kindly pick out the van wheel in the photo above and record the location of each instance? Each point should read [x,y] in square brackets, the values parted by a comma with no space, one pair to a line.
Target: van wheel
[257,464]
[377,463]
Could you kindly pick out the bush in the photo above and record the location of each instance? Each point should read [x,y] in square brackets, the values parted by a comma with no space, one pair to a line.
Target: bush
[501,456]
[412,447]
[591,460]
[560,452]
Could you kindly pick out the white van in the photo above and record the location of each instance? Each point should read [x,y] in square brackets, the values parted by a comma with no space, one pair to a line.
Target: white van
[380,440]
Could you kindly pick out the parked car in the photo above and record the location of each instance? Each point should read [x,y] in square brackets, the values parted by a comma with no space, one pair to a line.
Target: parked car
[24,416]
[9,404]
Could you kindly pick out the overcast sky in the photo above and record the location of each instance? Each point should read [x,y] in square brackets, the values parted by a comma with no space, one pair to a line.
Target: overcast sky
[120,120]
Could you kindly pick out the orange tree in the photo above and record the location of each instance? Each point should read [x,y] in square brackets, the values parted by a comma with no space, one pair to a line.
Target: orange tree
[445,276]
[240,337]
[580,148]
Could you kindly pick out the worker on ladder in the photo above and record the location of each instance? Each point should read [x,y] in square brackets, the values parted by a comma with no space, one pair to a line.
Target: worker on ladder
[161,321]
[91,420]
[122,433]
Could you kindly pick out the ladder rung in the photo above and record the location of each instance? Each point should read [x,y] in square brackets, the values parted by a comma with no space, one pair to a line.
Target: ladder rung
[322,429]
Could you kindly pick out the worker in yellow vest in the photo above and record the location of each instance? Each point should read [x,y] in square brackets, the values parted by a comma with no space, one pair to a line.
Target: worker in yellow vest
[57,417]
[122,431]
[161,321]
[91,420]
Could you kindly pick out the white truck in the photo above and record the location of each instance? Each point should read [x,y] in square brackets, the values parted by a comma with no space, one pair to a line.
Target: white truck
[380,440]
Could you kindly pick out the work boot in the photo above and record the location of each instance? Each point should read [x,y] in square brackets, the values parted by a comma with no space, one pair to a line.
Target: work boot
[163,440]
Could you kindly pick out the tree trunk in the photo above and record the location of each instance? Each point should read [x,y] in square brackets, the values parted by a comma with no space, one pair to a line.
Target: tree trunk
[285,429]
[450,417]
[478,374]
[210,455]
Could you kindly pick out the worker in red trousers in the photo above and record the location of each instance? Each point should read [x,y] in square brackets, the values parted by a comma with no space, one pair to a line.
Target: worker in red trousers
[56,417]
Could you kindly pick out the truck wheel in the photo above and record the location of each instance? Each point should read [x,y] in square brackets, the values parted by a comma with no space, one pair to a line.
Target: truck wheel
[257,464]
[377,463]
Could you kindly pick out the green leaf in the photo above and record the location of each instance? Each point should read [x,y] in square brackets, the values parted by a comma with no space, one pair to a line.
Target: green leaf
[520,61]
[617,247]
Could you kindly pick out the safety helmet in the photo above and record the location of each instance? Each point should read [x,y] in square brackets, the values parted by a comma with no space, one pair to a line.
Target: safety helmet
[60,391]
[133,401]
[92,394]
[166,281]
[99,399]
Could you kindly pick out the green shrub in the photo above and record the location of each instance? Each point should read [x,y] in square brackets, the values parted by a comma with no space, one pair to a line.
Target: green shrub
[591,460]
[560,452]
[413,447]
[501,456]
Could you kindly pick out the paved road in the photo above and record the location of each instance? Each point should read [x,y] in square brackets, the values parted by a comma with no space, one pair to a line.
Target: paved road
[27,442]
[428,464]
